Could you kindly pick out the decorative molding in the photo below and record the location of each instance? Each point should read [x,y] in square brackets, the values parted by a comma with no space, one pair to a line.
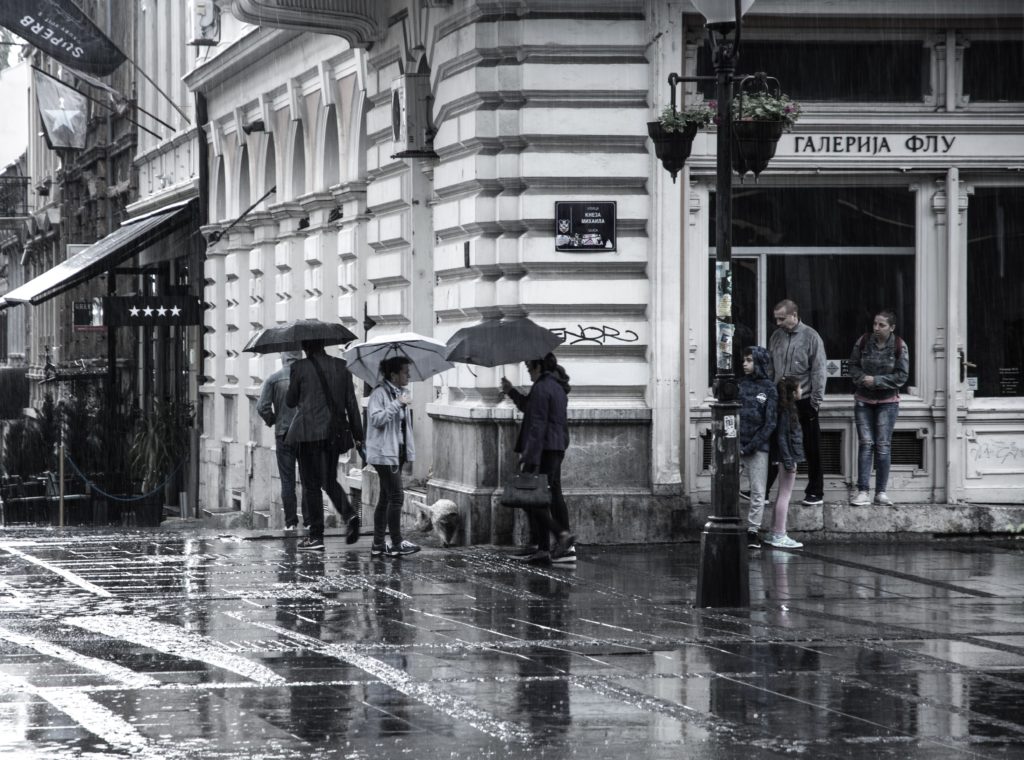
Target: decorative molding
[360,22]
[267,112]
[326,72]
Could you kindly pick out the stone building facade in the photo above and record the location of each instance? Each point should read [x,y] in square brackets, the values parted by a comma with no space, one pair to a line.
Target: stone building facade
[431,225]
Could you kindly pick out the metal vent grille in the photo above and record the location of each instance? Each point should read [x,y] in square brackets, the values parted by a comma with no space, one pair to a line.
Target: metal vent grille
[831,453]
[907,449]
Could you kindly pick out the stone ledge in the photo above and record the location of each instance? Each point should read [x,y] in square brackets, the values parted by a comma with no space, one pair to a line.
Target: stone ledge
[839,518]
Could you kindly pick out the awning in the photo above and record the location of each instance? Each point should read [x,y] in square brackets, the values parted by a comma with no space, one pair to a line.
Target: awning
[115,248]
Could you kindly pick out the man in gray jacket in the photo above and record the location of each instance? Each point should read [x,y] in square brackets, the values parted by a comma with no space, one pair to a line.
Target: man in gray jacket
[798,352]
[275,412]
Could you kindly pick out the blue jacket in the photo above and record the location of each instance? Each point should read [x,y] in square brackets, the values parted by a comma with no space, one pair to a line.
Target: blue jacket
[545,419]
[758,405]
[889,366]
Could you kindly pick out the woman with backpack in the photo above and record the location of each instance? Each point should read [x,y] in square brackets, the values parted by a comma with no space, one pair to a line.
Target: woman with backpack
[879,366]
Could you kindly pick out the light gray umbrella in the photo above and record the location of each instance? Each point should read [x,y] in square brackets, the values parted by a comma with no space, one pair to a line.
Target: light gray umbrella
[507,341]
[289,336]
[426,356]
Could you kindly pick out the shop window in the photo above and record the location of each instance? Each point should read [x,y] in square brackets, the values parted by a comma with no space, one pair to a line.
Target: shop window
[995,291]
[835,71]
[993,71]
[841,253]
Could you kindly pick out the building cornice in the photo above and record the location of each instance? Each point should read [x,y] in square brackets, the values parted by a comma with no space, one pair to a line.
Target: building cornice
[248,51]
[360,22]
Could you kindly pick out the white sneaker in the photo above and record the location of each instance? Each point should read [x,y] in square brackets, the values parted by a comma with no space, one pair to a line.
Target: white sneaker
[862,499]
[783,542]
[883,499]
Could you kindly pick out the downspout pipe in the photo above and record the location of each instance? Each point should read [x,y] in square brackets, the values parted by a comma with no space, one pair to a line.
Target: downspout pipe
[196,269]
[953,361]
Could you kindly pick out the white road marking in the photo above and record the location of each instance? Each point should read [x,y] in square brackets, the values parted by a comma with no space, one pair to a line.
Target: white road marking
[175,640]
[401,681]
[123,676]
[65,574]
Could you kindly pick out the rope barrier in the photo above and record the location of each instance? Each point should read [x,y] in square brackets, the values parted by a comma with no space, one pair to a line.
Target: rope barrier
[100,491]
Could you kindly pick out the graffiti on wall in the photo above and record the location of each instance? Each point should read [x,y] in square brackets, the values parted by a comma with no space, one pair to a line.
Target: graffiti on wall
[594,335]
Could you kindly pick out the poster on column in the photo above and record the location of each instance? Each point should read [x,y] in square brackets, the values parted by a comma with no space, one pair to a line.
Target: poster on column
[582,226]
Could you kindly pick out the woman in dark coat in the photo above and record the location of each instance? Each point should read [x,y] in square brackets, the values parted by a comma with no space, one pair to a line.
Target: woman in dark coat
[543,439]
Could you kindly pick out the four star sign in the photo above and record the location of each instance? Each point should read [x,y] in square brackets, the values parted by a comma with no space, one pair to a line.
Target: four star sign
[149,311]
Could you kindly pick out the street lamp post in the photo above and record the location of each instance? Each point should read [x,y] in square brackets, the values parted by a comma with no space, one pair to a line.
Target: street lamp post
[722,577]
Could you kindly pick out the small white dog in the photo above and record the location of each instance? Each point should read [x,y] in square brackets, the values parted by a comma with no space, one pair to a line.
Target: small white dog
[442,517]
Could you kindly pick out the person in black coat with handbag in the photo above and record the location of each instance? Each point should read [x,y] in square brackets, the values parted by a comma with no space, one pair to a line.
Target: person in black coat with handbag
[543,439]
[327,423]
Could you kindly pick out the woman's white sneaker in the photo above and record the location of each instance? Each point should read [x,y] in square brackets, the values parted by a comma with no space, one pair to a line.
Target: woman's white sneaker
[882,498]
[782,542]
[862,499]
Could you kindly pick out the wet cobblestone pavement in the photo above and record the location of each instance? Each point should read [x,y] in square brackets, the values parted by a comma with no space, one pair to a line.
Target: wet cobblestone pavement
[177,644]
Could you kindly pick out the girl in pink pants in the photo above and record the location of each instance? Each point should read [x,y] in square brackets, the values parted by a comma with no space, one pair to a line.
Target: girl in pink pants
[789,451]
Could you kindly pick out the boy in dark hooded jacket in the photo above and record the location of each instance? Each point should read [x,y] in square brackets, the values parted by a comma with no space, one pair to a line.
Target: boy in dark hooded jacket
[758,417]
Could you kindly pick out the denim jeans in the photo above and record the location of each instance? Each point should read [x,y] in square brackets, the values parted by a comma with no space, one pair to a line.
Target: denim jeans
[318,469]
[874,432]
[287,455]
[755,465]
[387,515]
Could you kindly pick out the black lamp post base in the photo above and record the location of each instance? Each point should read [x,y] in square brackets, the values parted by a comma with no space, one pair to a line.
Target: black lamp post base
[722,579]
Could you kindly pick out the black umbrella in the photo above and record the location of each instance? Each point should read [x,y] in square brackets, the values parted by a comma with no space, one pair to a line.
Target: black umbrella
[495,342]
[289,336]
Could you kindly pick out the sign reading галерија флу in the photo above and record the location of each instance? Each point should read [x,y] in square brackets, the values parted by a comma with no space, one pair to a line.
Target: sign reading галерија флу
[582,226]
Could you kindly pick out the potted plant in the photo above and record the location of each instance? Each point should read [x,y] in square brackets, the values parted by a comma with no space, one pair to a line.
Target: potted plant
[759,118]
[158,450]
[674,131]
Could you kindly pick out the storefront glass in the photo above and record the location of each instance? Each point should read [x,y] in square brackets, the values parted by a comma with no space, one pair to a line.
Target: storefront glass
[995,291]
[842,253]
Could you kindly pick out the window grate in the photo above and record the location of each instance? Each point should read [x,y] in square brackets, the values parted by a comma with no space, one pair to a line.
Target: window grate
[831,453]
[907,449]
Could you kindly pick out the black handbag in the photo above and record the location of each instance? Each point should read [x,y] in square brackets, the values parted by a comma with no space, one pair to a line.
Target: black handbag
[527,490]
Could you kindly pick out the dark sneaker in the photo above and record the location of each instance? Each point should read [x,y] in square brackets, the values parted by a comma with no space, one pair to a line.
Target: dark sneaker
[539,557]
[290,527]
[311,544]
[753,540]
[563,557]
[812,501]
[523,553]
[352,530]
[403,549]
[377,550]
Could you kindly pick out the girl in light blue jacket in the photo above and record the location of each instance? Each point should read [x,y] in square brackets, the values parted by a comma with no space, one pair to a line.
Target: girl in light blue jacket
[389,445]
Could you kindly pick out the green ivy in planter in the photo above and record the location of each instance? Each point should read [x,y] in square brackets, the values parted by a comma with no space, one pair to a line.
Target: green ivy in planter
[766,106]
[698,115]
[160,442]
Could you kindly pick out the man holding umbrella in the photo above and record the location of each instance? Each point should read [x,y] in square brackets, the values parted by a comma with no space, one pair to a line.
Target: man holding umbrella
[327,422]
[276,413]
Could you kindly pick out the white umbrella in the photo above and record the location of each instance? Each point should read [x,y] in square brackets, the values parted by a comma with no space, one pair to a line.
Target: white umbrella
[426,356]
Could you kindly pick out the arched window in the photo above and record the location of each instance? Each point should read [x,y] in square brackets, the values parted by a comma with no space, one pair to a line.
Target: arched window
[332,152]
[270,170]
[220,208]
[244,193]
[298,162]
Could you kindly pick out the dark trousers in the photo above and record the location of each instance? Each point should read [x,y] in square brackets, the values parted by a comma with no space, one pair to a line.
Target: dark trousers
[388,514]
[318,469]
[811,431]
[544,522]
[287,455]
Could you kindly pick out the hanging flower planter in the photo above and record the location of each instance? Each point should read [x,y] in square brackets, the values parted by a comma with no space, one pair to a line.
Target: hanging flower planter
[674,131]
[754,144]
[760,114]
[672,148]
